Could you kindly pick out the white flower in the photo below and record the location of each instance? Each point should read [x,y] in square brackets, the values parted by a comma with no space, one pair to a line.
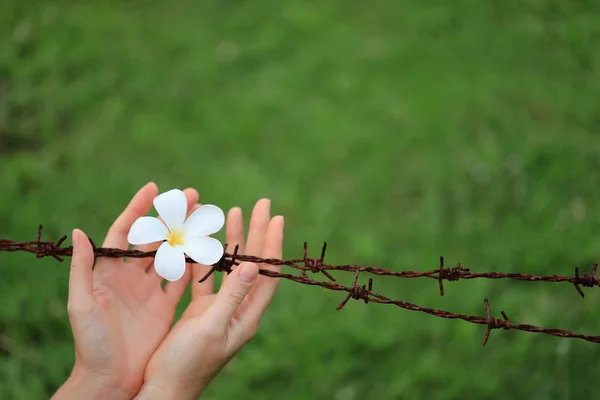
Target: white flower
[181,236]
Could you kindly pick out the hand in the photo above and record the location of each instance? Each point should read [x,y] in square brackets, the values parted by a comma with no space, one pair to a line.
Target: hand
[119,313]
[215,326]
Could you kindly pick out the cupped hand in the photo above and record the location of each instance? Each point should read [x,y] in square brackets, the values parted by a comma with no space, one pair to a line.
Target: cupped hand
[215,326]
[119,312]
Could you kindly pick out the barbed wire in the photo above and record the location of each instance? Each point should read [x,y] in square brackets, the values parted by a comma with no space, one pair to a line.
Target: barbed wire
[355,291]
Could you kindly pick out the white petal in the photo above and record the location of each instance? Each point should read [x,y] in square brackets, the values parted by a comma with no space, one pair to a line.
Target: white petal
[147,230]
[203,249]
[172,207]
[169,262]
[206,220]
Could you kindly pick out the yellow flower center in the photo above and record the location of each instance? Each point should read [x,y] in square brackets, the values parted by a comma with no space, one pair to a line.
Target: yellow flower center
[175,238]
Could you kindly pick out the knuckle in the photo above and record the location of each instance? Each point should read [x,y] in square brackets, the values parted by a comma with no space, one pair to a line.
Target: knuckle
[209,333]
[250,333]
[76,310]
[101,291]
[235,298]
[103,296]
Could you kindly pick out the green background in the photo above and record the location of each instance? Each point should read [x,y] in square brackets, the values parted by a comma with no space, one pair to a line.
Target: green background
[396,130]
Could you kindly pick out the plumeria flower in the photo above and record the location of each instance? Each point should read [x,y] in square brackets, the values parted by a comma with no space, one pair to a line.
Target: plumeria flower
[181,237]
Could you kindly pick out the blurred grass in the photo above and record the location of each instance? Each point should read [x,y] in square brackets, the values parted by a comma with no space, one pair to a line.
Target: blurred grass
[397,131]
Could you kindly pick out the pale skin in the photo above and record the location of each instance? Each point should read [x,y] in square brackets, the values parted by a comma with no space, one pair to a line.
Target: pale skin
[121,316]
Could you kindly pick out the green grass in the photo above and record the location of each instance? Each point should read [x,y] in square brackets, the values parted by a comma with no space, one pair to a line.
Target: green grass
[397,131]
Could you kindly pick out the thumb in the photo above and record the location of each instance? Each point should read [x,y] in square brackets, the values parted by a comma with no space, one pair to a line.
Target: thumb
[80,277]
[233,292]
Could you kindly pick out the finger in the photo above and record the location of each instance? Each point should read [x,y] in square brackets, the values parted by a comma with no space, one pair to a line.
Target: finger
[192,197]
[199,271]
[261,214]
[232,294]
[235,233]
[81,274]
[175,290]
[259,221]
[139,206]
[263,291]
[235,230]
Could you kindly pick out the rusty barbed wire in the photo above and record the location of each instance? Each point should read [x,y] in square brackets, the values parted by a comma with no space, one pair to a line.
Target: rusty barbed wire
[369,296]
[306,264]
[355,291]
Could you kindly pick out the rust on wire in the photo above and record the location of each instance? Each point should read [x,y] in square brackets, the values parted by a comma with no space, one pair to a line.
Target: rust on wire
[315,265]
[450,274]
[587,280]
[45,248]
[359,292]
[494,323]
[223,265]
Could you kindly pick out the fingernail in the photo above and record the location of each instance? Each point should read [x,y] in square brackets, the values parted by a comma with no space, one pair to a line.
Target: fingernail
[248,273]
[266,201]
[75,238]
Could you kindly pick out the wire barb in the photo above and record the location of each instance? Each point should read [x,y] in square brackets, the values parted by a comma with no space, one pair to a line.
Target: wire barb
[315,265]
[223,265]
[46,248]
[587,280]
[450,274]
[494,323]
[357,292]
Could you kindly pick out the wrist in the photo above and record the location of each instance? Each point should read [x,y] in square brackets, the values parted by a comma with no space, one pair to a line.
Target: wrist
[156,391]
[82,385]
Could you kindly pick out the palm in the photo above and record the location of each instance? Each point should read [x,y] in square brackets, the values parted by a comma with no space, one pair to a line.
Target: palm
[140,314]
[133,312]
[182,342]
[187,341]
